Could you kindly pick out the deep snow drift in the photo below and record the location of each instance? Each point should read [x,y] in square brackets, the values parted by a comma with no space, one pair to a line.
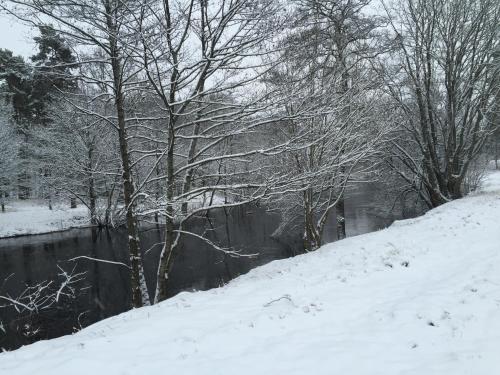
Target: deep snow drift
[421,297]
[34,217]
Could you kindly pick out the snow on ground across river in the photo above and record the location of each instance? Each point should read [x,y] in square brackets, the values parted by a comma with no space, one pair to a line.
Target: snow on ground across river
[421,297]
[34,217]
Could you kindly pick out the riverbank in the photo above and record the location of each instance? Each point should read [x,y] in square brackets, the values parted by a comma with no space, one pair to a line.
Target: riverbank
[34,217]
[28,217]
[421,297]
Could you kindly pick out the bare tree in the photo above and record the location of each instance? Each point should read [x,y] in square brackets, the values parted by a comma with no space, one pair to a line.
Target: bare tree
[328,149]
[444,81]
[43,295]
[40,298]
[100,25]
[345,39]
[200,59]
[80,152]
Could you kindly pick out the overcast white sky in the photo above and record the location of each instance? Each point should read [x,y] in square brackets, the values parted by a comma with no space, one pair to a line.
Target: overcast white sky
[15,36]
[19,38]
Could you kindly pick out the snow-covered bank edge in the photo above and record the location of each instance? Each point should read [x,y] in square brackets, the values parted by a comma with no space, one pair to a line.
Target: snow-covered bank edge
[25,218]
[33,217]
[54,231]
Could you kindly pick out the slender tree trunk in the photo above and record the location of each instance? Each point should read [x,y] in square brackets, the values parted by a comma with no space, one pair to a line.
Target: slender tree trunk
[497,153]
[340,208]
[92,201]
[109,203]
[158,188]
[128,194]
[189,174]
[192,148]
[312,237]
[200,89]
[92,194]
[167,253]
[128,186]
[23,179]
[171,237]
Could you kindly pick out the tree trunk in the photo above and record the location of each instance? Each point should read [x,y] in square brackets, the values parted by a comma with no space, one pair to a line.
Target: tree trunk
[92,202]
[455,188]
[340,208]
[128,194]
[312,237]
[167,253]
[192,148]
[435,195]
[92,194]
[497,153]
[189,174]
[128,186]
[23,178]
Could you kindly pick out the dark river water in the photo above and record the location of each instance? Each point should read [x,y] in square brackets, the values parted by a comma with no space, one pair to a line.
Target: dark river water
[104,290]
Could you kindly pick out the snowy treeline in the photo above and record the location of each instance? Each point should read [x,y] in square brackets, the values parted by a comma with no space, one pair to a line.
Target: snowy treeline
[160,110]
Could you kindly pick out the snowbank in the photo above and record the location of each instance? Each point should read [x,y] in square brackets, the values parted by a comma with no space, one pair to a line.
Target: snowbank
[421,297]
[34,217]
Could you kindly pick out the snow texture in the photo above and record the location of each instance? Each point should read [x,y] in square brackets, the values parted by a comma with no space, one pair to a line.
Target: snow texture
[34,217]
[421,297]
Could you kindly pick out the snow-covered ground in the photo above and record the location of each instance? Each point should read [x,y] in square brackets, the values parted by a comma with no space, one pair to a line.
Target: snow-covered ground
[33,217]
[421,297]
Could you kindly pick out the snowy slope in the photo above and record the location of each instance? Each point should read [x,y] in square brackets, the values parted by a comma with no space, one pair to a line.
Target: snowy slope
[422,297]
[34,217]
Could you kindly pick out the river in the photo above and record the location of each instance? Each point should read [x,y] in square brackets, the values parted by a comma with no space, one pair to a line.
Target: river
[104,289]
